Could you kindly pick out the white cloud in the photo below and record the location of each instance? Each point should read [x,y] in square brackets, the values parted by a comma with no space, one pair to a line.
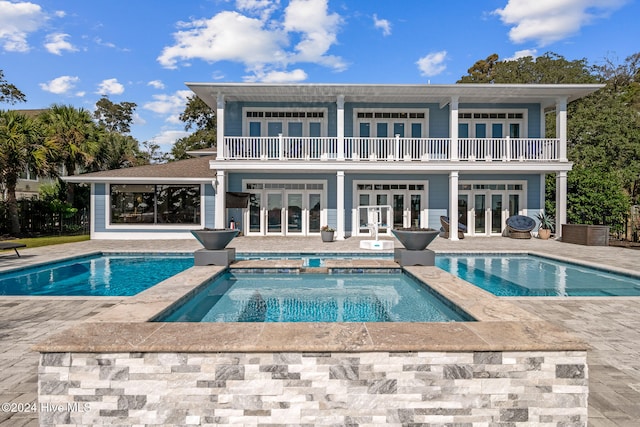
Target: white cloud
[157,84]
[110,87]
[60,85]
[305,34]
[523,54]
[57,42]
[17,20]
[166,138]
[293,76]
[548,21]
[382,24]
[168,104]
[432,64]
[318,31]
[227,36]
[262,8]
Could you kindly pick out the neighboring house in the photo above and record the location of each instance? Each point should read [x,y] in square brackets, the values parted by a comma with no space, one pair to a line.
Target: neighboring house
[349,156]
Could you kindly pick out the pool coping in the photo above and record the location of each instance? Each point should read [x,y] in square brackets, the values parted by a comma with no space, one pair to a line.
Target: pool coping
[126,327]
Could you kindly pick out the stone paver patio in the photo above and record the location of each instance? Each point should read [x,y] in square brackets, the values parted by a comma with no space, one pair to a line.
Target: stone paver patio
[610,325]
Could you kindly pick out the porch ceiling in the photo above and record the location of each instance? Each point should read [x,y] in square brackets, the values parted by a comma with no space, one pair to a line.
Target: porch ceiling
[416,93]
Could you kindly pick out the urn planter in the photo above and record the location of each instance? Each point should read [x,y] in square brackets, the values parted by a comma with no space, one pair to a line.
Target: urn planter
[215,239]
[415,240]
[327,236]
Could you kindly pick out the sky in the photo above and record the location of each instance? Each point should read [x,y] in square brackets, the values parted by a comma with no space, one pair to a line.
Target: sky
[143,51]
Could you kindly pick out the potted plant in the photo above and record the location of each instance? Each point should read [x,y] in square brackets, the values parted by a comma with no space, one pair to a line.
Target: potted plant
[546,225]
[327,233]
[415,239]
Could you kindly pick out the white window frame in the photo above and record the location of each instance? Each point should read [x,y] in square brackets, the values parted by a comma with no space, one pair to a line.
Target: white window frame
[374,121]
[355,223]
[324,122]
[263,192]
[130,226]
[524,128]
[505,193]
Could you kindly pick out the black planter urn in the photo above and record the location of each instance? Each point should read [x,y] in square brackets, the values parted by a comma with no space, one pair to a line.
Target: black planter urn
[415,240]
[215,239]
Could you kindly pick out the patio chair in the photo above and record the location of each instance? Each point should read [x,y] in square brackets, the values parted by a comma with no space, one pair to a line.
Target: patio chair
[12,245]
[444,221]
[520,226]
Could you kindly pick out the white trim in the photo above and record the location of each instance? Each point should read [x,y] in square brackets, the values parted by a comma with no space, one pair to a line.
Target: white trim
[150,235]
[305,192]
[390,134]
[505,193]
[331,165]
[524,121]
[324,120]
[138,226]
[92,210]
[424,211]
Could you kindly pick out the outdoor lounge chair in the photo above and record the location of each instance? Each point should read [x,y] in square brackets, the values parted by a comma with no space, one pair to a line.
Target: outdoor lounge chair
[520,226]
[444,221]
[12,245]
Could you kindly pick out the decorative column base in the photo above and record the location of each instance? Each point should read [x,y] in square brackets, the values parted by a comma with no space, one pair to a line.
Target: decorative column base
[406,258]
[222,257]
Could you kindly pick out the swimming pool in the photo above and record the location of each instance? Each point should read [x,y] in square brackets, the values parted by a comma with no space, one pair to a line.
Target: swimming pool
[311,259]
[245,297]
[98,275]
[530,275]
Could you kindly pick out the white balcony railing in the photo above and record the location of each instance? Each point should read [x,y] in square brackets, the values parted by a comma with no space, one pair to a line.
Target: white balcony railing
[389,149]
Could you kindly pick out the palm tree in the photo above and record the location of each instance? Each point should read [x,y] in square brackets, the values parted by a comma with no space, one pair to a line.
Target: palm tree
[116,151]
[73,133]
[21,147]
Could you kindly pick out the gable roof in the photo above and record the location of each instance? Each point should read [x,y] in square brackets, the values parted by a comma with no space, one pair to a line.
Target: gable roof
[189,170]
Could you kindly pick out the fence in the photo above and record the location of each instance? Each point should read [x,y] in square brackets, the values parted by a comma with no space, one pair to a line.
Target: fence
[37,217]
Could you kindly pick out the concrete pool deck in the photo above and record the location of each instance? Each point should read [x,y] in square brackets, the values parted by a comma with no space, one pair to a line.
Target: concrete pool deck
[611,326]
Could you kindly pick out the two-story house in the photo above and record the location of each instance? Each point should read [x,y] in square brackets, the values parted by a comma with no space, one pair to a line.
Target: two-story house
[294,157]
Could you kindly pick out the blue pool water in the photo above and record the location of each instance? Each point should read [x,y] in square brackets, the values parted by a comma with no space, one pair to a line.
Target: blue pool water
[244,297]
[106,275]
[527,275]
[311,260]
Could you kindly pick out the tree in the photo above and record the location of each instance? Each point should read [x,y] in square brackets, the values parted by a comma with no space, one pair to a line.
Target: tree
[72,133]
[10,94]
[116,151]
[596,196]
[22,146]
[114,117]
[549,68]
[199,116]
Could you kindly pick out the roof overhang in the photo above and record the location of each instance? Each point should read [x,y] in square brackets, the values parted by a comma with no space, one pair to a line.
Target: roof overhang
[544,94]
[80,179]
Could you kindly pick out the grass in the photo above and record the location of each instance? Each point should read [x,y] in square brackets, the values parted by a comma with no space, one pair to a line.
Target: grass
[35,242]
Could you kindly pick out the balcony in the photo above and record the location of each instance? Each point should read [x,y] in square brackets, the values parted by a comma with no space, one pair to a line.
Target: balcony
[391,149]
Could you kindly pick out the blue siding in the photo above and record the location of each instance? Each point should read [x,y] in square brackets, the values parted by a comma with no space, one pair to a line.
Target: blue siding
[438,199]
[533,114]
[438,117]
[100,203]
[209,206]
[233,114]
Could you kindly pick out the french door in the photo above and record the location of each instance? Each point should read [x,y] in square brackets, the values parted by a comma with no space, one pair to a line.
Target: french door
[282,211]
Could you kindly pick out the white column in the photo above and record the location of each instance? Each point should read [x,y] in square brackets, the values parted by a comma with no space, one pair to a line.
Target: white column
[340,206]
[543,185]
[340,125]
[453,205]
[561,127]
[561,202]
[220,127]
[221,205]
[453,132]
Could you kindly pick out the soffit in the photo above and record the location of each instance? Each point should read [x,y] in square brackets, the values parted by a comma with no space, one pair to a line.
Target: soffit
[354,93]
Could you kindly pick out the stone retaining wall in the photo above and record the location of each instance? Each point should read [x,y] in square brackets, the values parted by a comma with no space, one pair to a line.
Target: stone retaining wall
[314,388]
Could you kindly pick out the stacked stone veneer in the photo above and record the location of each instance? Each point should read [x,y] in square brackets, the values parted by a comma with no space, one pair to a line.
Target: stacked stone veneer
[298,388]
